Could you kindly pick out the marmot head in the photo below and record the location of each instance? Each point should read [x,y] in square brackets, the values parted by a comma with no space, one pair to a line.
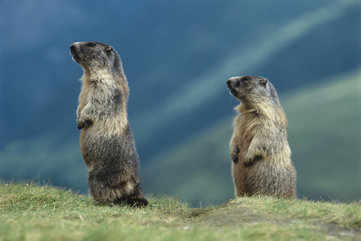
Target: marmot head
[252,89]
[95,56]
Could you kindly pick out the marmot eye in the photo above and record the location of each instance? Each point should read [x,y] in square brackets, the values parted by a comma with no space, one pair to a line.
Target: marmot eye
[91,44]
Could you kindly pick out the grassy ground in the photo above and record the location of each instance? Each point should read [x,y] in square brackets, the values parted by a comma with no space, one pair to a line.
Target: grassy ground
[31,212]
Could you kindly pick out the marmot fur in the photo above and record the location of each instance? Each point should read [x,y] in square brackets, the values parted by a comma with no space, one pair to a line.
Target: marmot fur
[106,140]
[259,148]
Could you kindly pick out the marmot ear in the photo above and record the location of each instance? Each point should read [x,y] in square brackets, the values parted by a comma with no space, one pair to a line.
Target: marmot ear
[108,49]
[263,81]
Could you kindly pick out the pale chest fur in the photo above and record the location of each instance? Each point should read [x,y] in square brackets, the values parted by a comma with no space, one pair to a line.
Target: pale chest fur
[244,127]
[109,98]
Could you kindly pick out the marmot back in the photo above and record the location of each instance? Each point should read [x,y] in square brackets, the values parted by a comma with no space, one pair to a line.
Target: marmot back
[259,148]
[106,140]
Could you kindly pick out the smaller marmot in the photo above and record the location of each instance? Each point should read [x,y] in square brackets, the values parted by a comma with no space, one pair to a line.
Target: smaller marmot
[259,148]
[106,140]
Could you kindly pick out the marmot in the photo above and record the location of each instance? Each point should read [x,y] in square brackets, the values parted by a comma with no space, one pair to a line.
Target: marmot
[106,140]
[259,148]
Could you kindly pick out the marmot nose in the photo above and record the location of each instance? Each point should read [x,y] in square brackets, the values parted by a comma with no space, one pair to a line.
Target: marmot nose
[74,45]
[73,49]
[231,81]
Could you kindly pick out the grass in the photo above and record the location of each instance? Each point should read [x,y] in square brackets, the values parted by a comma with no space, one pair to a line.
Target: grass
[32,212]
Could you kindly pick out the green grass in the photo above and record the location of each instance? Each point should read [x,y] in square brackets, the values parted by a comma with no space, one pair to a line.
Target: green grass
[31,212]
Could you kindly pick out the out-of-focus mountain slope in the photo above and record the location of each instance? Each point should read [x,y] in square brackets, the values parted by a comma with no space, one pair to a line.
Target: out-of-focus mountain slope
[324,134]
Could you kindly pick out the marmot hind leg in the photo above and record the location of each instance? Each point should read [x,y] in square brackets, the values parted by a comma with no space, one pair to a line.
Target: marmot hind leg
[114,188]
[135,200]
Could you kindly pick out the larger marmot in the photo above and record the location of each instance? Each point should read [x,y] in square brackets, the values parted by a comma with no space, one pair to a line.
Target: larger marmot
[106,140]
[259,147]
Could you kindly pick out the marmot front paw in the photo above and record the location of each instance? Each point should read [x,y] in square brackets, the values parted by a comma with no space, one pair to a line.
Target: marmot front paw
[250,160]
[81,124]
[234,155]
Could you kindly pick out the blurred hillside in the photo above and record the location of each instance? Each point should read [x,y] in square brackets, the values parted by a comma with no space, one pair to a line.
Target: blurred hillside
[177,56]
[324,138]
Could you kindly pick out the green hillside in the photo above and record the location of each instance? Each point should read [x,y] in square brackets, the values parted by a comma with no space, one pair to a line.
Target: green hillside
[177,56]
[30,212]
[324,134]
[245,56]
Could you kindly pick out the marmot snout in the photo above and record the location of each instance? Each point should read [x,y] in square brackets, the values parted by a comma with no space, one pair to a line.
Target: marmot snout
[96,56]
[250,88]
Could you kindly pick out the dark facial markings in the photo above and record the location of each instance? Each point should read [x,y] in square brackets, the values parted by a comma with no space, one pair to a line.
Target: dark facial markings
[238,83]
[90,44]
[246,78]
[94,54]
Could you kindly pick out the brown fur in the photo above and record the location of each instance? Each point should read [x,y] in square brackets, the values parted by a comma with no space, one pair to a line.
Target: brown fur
[259,147]
[106,140]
